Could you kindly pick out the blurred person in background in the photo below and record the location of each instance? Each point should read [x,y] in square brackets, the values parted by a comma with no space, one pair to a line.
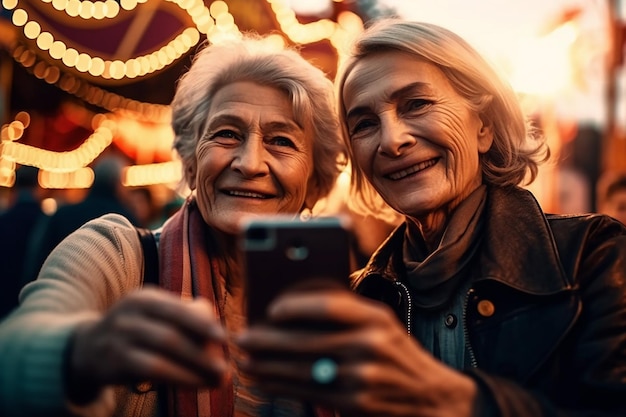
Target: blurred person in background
[16,226]
[106,195]
[141,203]
[169,208]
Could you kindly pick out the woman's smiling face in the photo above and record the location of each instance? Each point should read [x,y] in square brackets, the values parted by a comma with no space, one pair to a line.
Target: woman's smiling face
[254,158]
[414,137]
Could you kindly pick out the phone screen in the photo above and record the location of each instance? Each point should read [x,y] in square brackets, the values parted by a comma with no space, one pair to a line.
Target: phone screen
[279,253]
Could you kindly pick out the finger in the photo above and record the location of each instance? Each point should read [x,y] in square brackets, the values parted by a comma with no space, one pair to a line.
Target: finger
[196,318]
[347,375]
[206,357]
[291,372]
[353,343]
[353,386]
[341,307]
[142,365]
[330,397]
[271,341]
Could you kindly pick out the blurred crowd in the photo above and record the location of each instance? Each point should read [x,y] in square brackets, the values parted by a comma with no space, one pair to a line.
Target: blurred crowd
[467,295]
[34,220]
[34,229]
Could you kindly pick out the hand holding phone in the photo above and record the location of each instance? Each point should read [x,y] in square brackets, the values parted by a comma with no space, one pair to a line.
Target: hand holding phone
[281,253]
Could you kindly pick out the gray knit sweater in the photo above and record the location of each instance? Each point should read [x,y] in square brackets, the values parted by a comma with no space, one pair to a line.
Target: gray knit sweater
[83,276]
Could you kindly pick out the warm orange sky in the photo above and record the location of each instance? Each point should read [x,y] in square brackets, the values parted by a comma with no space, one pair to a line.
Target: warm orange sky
[507,31]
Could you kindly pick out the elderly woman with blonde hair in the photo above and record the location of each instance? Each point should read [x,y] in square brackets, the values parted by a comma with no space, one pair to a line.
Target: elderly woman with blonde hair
[479,303]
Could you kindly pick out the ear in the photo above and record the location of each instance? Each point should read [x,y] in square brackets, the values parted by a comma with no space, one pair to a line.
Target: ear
[484,136]
[190,174]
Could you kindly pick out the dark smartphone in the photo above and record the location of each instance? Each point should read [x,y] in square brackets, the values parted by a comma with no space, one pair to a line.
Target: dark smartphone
[283,252]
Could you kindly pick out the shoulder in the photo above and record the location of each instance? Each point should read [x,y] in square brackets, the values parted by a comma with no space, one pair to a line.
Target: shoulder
[111,236]
[111,220]
[590,246]
[513,207]
[111,225]
[588,228]
[102,260]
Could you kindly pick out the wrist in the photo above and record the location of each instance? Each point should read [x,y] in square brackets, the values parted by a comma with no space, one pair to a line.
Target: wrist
[80,387]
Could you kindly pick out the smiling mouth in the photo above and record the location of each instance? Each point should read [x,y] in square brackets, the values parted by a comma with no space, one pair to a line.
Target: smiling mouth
[412,170]
[247,194]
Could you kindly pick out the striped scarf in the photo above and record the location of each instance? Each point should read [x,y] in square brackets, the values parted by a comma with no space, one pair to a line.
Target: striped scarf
[185,254]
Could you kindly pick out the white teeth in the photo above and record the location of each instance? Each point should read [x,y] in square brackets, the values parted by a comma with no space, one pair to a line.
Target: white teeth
[246,194]
[415,168]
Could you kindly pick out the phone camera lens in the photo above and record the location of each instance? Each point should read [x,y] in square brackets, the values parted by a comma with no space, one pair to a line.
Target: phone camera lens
[297,252]
[257,234]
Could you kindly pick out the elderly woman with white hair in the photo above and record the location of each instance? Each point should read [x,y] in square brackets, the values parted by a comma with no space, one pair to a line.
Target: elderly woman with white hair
[257,131]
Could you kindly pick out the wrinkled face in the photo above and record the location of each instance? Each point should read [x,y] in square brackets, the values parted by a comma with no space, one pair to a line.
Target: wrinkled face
[412,134]
[254,159]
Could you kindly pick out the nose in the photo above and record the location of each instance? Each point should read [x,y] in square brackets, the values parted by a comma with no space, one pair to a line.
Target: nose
[251,157]
[395,136]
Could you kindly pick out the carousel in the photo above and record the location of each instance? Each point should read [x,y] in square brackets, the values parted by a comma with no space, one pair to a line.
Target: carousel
[80,79]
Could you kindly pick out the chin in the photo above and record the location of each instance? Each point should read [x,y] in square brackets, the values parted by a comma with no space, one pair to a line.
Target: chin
[417,209]
[230,224]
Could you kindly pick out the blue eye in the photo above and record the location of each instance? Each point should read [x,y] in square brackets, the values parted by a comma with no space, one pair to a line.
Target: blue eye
[417,104]
[282,141]
[362,125]
[225,136]
[229,134]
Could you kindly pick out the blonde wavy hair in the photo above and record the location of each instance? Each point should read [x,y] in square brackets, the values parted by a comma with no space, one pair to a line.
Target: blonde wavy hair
[518,148]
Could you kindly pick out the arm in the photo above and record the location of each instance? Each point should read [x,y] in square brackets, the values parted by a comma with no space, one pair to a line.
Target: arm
[79,281]
[84,327]
[383,372]
[587,374]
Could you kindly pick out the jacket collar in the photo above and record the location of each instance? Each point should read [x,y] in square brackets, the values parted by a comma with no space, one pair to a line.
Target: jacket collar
[518,248]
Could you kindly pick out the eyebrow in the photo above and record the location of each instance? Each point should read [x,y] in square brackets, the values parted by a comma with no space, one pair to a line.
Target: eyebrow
[223,119]
[417,86]
[236,120]
[289,127]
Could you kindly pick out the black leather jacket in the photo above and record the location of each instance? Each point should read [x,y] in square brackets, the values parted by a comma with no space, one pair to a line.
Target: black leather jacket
[546,313]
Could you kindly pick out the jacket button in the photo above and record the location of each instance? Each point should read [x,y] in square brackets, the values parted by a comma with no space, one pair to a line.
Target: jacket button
[451,321]
[486,308]
[142,387]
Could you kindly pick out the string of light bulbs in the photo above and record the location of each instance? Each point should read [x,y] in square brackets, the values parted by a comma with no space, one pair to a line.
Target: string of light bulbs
[215,22]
